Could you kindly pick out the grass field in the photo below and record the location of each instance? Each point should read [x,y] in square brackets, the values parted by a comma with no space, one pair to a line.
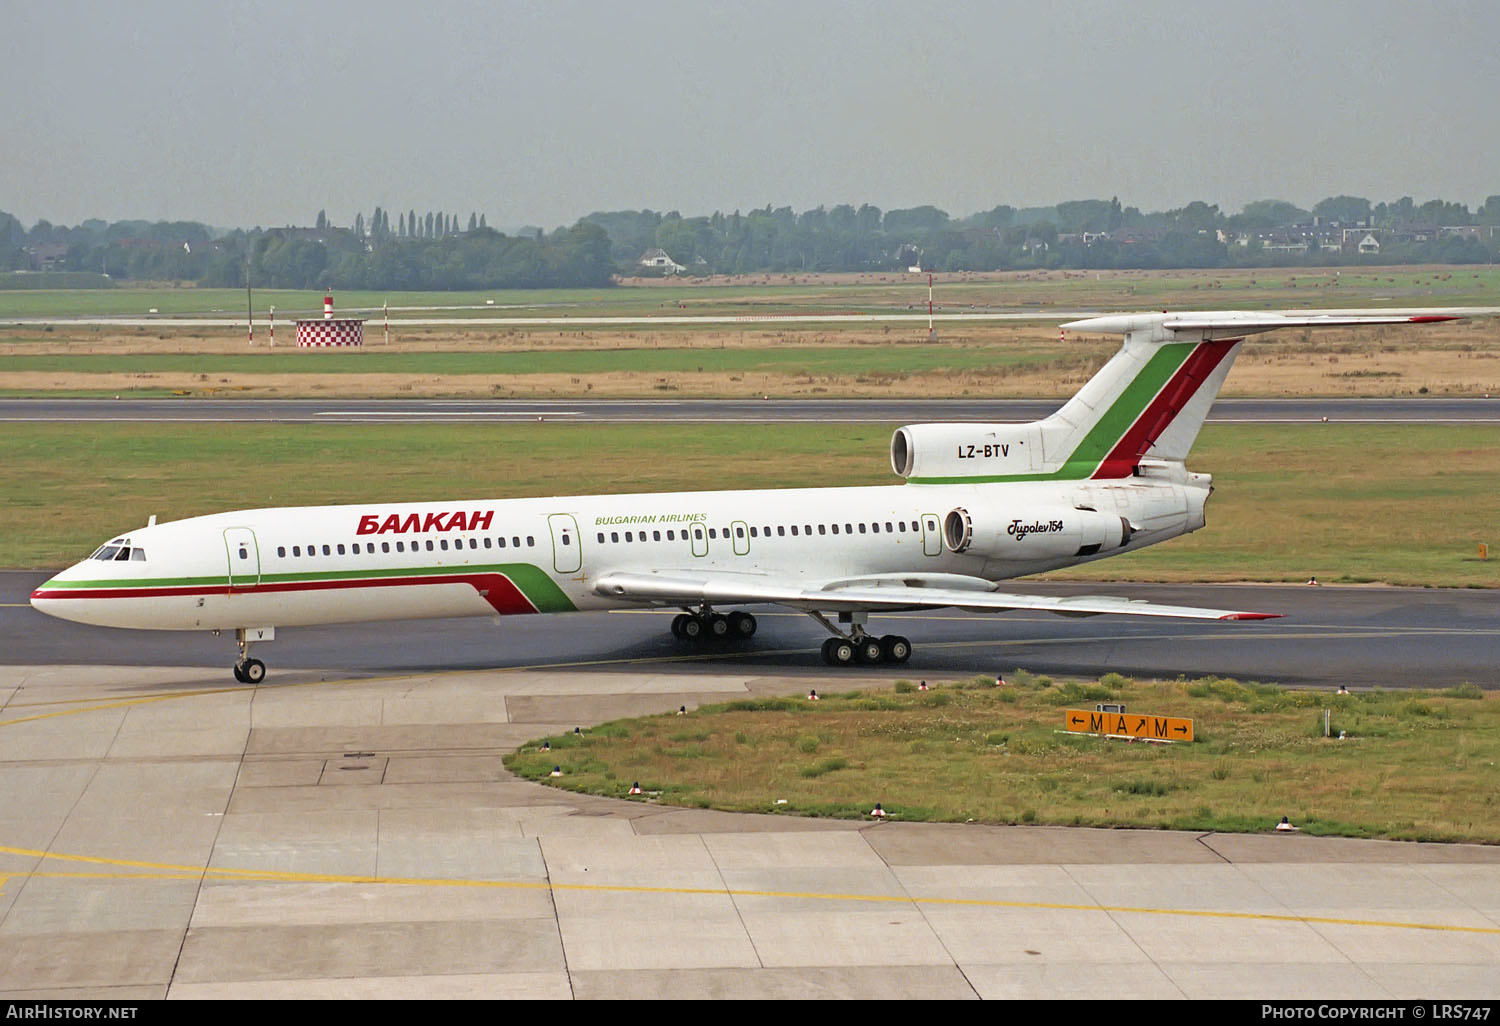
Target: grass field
[756,355]
[894,359]
[1399,504]
[1414,765]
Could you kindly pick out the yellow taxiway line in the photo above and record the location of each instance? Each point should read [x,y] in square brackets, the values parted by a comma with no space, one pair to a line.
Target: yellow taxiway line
[166,871]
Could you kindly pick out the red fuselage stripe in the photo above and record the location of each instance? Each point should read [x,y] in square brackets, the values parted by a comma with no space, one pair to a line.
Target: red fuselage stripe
[497,589]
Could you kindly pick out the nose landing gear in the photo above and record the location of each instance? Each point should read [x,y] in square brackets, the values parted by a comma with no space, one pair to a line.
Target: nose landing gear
[247,670]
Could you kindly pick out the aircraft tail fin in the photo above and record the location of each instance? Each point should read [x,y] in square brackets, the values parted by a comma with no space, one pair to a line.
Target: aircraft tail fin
[1150,400]
[1147,403]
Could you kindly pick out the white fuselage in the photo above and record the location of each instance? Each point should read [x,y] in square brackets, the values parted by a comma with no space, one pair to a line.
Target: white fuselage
[339,564]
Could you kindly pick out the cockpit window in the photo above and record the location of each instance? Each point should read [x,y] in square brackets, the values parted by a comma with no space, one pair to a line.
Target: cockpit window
[120,553]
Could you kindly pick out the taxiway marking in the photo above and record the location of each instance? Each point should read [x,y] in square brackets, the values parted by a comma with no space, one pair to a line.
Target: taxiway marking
[168,871]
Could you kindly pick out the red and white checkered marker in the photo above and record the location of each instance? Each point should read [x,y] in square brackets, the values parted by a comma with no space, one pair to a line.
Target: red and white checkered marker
[330,334]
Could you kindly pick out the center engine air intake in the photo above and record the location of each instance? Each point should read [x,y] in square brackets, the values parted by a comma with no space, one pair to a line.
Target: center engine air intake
[1037,533]
[927,451]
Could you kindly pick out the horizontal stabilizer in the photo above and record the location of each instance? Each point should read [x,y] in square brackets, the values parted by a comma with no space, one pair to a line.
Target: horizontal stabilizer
[1236,323]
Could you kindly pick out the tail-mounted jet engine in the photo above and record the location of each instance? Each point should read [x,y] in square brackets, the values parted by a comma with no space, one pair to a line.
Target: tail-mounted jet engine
[952,451]
[1037,533]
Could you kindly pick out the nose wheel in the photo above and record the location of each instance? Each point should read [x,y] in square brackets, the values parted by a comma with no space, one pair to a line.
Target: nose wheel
[249,671]
[246,669]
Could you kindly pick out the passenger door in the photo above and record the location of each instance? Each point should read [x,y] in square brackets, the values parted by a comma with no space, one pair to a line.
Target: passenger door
[244,557]
[567,546]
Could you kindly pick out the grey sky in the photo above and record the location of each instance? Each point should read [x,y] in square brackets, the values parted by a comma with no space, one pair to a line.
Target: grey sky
[244,113]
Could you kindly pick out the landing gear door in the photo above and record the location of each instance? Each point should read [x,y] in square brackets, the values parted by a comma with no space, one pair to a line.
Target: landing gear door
[244,557]
[932,535]
[567,547]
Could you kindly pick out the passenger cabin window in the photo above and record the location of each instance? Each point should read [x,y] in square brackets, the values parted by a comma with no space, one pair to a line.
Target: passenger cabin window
[281,550]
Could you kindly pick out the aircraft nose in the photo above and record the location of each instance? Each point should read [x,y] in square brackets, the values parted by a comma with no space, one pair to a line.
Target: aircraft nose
[42,596]
[46,598]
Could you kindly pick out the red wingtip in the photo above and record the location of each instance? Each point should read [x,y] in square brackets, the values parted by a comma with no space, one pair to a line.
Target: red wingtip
[1433,318]
[1252,616]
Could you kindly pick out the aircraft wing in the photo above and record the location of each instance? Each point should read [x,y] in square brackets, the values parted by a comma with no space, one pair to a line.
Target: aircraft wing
[881,592]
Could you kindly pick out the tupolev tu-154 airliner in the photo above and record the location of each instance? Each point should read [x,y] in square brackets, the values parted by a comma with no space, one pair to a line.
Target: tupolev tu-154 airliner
[980,503]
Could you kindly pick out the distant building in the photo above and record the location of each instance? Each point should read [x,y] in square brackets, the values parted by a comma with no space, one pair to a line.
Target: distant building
[657,260]
[45,256]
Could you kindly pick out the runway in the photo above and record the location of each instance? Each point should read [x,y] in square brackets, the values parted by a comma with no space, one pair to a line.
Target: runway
[623,320]
[483,318]
[1359,636]
[894,411]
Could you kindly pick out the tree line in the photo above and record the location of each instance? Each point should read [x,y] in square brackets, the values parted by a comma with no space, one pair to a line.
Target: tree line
[421,253]
[436,250]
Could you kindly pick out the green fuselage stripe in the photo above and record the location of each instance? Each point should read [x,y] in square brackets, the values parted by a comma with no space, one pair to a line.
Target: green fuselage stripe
[540,590]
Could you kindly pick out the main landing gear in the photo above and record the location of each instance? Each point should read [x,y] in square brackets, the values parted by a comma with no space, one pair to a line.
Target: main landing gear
[706,625]
[860,648]
[843,649]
